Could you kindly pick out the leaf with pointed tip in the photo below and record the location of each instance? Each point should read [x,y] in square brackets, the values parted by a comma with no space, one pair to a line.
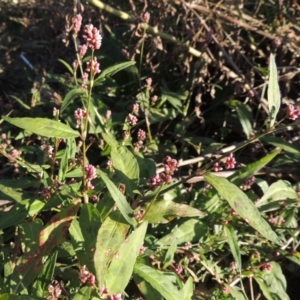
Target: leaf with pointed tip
[29,264]
[159,281]
[163,211]
[77,241]
[110,71]
[111,235]
[119,198]
[273,91]
[189,231]
[187,290]
[126,168]
[146,288]
[251,169]
[90,222]
[69,98]
[121,267]
[244,207]
[44,127]
[232,240]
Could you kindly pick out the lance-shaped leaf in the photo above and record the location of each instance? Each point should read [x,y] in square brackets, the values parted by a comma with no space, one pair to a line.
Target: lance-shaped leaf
[111,235]
[77,240]
[119,198]
[245,208]
[146,288]
[273,91]
[189,231]
[90,222]
[251,169]
[121,267]
[30,264]
[69,98]
[44,127]
[15,297]
[163,211]
[232,240]
[110,71]
[159,281]
[126,168]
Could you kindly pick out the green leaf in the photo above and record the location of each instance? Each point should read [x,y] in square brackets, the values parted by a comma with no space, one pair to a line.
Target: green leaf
[235,293]
[69,98]
[146,289]
[70,69]
[159,281]
[190,230]
[277,191]
[239,177]
[170,253]
[44,127]
[78,242]
[20,102]
[69,152]
[175,99]
[12,194]
[273,91]
[19,212]
[281,143]
[29,264]
[111,235]
[245,116]
[29,233]
[162,211]
[46,276]
[232,240]
[119,198]
[242,205]
[110,140]
[147,166]
[274,282]
[84,293]
[126,168]
[121,267]
[110,71]
[15,297]
[187,291]
[89,222]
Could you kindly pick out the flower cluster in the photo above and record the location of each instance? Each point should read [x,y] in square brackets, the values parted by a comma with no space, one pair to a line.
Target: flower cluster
[93,66]
[80,114]
[141,136]
[86,276]
[247,183]
[131,120]
[54,289]
[77,23]
[92,37]
[90,174]
[292,113]
[230,162]
[170,166]
[93,40]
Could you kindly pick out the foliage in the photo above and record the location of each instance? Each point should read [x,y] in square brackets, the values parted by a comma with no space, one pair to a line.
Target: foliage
[112,180]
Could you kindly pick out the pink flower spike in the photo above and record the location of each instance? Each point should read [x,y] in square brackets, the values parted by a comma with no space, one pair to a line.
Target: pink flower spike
[77,23]
[292,113]
[217,167]
[131,119]
[92,37]
[90,172]
[230,162]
